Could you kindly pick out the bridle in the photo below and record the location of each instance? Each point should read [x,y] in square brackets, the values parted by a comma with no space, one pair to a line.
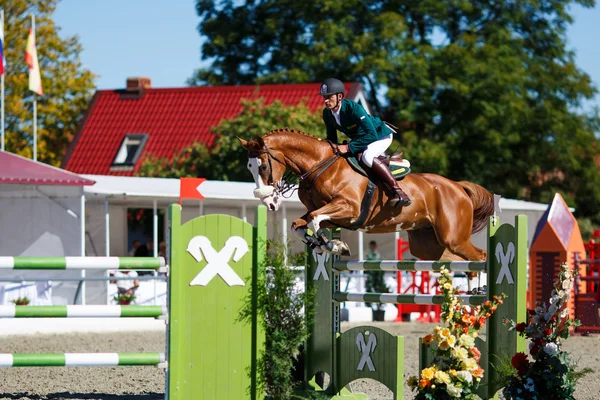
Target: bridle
[287,185]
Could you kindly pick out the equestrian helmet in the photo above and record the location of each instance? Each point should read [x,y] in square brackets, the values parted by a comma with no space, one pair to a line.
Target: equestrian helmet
[332,86]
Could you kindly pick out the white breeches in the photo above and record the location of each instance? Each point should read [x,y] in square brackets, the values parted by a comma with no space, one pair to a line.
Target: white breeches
[376,149]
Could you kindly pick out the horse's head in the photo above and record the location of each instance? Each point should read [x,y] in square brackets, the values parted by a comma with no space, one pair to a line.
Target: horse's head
[267,167]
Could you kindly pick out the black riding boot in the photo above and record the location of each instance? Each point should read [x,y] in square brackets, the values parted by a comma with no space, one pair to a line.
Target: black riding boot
[396,195]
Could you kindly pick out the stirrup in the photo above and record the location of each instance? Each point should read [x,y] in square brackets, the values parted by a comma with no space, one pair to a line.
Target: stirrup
[401,201]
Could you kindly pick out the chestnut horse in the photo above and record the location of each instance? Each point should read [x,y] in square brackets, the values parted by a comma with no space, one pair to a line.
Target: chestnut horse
[440,220]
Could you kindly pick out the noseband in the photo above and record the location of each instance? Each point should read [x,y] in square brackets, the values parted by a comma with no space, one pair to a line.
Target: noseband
[287,185]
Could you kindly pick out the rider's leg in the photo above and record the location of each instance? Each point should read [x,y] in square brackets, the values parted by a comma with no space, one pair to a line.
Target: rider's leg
[369,157]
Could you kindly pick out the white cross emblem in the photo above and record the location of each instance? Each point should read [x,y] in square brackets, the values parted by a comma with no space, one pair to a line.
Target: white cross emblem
[321,259]
[366,349]
[505,259]
[217,262]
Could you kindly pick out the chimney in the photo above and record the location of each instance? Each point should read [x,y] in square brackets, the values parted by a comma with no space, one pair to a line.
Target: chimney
[135,88]
[137,84]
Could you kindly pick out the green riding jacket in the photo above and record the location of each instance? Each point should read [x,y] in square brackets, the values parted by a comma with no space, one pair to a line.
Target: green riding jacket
[362,128]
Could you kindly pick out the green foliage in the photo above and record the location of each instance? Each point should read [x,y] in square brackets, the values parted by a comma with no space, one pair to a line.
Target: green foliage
[66,84]
[483,91]
[587,227]
[285,322]
[226,160]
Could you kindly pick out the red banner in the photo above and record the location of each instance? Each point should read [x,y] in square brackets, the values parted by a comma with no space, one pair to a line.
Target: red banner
[189,188]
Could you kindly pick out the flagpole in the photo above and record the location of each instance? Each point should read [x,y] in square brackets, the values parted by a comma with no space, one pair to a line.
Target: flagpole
[34,104]
[2,80]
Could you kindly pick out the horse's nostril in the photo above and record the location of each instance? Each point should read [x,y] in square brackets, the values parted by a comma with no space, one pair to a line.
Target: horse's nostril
[272,206]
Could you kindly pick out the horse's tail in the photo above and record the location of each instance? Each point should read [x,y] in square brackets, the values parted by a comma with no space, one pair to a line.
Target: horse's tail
[483,204]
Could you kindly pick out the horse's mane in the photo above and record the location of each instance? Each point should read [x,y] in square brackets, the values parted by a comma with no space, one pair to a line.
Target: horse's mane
[290,130]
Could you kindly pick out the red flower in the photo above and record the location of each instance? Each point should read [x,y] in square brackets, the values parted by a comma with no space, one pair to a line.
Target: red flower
[520,362]
[520,327]
[547,331]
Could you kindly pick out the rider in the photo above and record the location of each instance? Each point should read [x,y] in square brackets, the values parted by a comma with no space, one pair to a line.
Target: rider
[367,133]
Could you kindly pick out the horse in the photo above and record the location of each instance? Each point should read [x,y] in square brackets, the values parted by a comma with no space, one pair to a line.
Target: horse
[440,220]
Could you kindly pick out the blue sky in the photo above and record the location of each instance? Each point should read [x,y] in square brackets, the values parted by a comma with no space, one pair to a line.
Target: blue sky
[159,39]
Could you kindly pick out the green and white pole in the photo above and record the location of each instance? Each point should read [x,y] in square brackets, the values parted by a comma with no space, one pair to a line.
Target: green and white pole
[82,311]
[392,298]
[60,263]
[81,360]
[408,265]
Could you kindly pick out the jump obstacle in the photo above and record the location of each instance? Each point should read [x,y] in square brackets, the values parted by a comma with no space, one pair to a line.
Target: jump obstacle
[212,270]
[209,352]
[370,352]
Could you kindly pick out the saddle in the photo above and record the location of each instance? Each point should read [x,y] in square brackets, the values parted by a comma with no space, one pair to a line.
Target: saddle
[399,166]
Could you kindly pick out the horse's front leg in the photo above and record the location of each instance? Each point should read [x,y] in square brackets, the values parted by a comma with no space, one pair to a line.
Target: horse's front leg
[299,229]
[338,212]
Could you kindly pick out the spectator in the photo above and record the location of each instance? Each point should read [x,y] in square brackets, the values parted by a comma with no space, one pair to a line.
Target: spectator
[150,246]
[134,246]
[126,286]
[373,254]
[141,251]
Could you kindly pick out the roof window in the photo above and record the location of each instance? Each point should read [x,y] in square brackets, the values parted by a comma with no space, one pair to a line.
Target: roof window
[130,151]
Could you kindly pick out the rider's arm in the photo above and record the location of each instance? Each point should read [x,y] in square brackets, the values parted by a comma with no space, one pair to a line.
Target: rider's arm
[330,126]
[367,133]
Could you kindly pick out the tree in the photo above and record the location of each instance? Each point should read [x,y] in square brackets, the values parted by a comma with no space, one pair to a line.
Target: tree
[67,85]
[484,91]
[226,160]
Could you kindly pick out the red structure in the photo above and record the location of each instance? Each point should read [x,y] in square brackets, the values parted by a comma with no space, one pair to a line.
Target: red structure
[557,239]
[585,301]
[423,287]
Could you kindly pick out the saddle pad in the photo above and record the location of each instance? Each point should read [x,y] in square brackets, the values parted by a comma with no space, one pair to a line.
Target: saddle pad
[399,169]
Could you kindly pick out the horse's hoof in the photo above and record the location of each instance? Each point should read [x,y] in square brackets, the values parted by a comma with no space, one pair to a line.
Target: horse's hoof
[341,248]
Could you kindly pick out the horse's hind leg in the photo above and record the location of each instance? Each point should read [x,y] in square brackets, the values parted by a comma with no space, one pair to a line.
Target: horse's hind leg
[425,245]
[456,237]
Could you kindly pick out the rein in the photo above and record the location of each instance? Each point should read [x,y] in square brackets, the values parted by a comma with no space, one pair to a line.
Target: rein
[287,184]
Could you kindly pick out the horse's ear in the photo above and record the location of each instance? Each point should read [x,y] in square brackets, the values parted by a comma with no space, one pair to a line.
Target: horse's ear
[260,141]
[243,142]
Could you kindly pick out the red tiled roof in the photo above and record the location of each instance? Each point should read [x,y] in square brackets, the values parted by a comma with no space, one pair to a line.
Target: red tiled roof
[20,170]
[173,118]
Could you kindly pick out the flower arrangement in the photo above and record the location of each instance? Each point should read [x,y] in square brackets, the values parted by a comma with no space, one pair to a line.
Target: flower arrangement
[455,372]
[124,298]
[21,301]
[550,374]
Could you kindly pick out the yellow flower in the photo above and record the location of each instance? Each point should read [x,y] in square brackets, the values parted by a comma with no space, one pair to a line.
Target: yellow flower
[453,372]
[428,373]
[447,286]
[470,364]
[442,377]
[460,353]
[451,340]
[444,345]
[466,341]
[444,333]
[437,329]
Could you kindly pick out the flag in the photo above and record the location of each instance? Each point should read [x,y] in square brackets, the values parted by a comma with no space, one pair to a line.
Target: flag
[2,58]
[189,188]
[35,80]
